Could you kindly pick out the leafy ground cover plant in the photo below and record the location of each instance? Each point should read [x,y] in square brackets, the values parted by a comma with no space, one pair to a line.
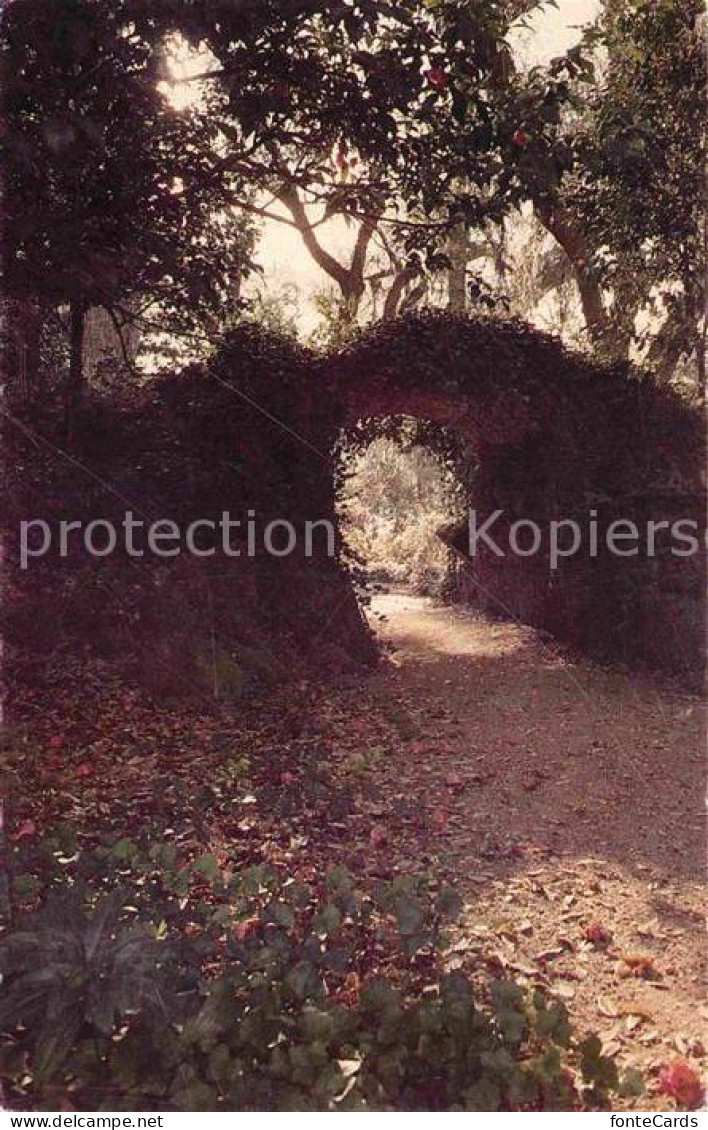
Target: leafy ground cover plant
[145,982]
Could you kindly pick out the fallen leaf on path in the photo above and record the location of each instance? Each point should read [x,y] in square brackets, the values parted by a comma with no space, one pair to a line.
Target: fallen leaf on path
[639,965]
[549,954]
[454,781]
[606,1008]
[26,828]
[378,836]
[243,930]
[564,990]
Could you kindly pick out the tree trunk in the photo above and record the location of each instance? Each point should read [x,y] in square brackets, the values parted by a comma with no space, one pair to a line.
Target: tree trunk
[22,321]
[75,383]
[458,252]
[701,370]
[665,353]
[351,279]
[563,229]
[394,298]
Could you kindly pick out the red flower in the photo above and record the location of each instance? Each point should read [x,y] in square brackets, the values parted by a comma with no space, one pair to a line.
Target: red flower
[681,1082]
[519,138]
[85,769]
[57,741]
[597,934]
[243,930]
[436,77]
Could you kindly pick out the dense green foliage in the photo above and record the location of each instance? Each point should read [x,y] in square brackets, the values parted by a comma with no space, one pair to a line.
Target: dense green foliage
[191,987]
[636,194]
[112,197]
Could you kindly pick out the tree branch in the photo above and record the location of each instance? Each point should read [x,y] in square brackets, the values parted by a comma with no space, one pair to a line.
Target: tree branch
[399,284]
[557,221]
[331,266]
[666,349]
[366,232]
[119,327]
[415,294]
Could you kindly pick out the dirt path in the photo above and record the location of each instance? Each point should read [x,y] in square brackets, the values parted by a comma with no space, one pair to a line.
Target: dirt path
[565,801]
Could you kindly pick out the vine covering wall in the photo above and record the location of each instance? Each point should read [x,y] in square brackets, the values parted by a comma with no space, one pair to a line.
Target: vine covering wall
[258,430]
[555,437]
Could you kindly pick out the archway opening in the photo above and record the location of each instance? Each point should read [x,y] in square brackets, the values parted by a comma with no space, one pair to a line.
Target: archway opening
[403,482]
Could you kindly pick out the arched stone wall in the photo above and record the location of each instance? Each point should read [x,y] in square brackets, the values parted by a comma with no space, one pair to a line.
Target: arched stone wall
[257,429]
[557,437]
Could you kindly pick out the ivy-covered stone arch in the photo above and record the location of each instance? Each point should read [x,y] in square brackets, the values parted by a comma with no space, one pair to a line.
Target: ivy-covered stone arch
[257,430]
[556,437]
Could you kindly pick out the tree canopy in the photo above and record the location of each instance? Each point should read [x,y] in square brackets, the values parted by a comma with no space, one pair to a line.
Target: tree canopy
[630,211]
[412,120]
